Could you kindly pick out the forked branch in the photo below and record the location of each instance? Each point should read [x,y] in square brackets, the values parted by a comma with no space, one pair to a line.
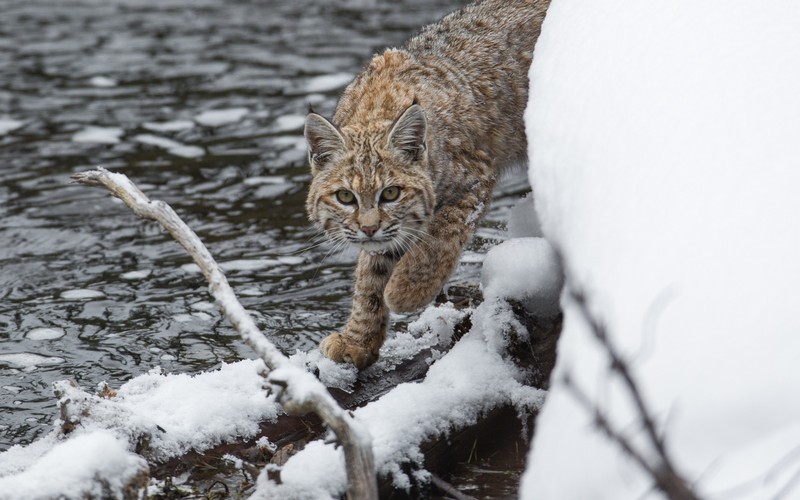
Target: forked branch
[299,391]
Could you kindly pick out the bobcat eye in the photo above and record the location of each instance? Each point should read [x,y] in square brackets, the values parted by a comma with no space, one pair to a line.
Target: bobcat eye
[390,193]
[345,197]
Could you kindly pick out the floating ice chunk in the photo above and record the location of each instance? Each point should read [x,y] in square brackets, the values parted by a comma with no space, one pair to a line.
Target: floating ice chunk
[265,179]
[82,294]
[203,305]
[327,83]
[136,275]
[237,265]
[527,270]
[8,125]
[289,123]
[102,81]
[170,126]
[172,147]
[45,333]
[291,260]
[98,135]
[217,117]
[183,318]
[28,361]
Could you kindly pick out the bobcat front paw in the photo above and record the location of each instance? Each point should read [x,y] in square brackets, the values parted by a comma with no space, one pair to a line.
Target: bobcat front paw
[344,350]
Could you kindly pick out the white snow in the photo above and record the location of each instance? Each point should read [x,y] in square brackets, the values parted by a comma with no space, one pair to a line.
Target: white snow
[136,275]
[70,470]
[45,333]
[168,126]
[29,361]
[265,179]
[82,294]
[664,160]
[173,147]
[527,270]
[327,83]
[218,117]
[102,81]
[468,381]
[241,265]
[289,123]
[9,125]
[98,135]
[175,412]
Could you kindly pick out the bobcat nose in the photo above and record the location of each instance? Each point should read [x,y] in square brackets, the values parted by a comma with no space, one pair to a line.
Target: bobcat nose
[369,230]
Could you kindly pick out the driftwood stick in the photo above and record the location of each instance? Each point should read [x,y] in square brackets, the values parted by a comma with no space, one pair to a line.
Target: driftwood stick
[298,391]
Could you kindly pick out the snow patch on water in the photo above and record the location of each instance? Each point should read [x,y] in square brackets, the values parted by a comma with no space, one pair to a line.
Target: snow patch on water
[172,147]
[102,82]
[29,361]
[327,83]
[136,275]
[9,125]
[82,294]
[98,135]
[45,333]
[218,117]
[168,126]
[289,123]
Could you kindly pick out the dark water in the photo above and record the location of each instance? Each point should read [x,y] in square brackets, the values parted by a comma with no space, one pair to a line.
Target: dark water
[110,288]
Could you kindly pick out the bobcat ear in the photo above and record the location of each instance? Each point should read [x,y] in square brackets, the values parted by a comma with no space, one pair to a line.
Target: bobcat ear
[408,132]
[324,140]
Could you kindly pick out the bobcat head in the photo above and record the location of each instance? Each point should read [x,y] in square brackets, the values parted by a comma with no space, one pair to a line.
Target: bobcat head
[371,185]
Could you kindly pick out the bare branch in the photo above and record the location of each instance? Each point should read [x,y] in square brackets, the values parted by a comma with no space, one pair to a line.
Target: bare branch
[300,392]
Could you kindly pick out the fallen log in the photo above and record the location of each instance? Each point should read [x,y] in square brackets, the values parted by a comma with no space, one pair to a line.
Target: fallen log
[233,467]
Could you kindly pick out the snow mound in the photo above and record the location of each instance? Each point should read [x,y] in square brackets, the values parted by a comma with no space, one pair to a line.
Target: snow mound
[664,158]
[70,470]
[526,270]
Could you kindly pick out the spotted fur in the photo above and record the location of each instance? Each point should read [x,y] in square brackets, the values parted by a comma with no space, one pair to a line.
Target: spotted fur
[437,118]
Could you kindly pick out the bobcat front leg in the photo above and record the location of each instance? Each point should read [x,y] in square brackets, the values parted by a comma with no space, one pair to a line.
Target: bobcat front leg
[365,331]
[421,272]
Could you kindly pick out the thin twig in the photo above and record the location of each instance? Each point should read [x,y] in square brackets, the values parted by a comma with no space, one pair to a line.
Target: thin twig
[663,471]
[298,391]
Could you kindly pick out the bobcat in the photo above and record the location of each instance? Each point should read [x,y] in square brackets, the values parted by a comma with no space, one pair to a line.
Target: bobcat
[407,166]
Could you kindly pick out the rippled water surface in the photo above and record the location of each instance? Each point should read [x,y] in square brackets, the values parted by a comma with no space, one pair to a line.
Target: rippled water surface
[201,103]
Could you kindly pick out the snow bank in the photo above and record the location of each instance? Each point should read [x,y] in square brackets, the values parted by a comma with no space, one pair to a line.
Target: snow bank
[665,162]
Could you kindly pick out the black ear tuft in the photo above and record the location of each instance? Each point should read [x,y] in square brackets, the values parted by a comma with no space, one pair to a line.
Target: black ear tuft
[408,132]
[324,141]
